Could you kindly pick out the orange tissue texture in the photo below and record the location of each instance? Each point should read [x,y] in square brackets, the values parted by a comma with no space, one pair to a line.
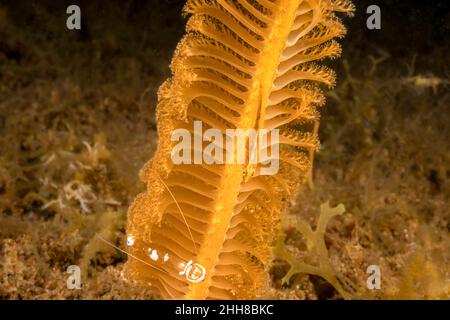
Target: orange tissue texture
[247,64]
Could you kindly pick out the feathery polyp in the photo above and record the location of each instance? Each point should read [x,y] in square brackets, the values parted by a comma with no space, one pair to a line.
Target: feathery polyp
[250,66]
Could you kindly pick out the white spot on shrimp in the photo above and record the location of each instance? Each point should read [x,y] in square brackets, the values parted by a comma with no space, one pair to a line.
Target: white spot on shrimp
[130,240]
[154,255]
[166,257]
[181,266]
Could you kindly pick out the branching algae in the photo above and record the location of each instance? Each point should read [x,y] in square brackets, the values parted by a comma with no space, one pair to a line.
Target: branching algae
[205,231]
[316,261]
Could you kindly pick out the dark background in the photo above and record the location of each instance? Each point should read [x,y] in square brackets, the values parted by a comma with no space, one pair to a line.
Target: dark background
[408,27]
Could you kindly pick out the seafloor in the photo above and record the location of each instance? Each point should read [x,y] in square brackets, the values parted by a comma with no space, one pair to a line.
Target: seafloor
[77,123]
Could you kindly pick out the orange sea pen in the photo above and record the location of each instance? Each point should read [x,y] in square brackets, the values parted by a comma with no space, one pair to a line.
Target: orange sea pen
[208,229]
